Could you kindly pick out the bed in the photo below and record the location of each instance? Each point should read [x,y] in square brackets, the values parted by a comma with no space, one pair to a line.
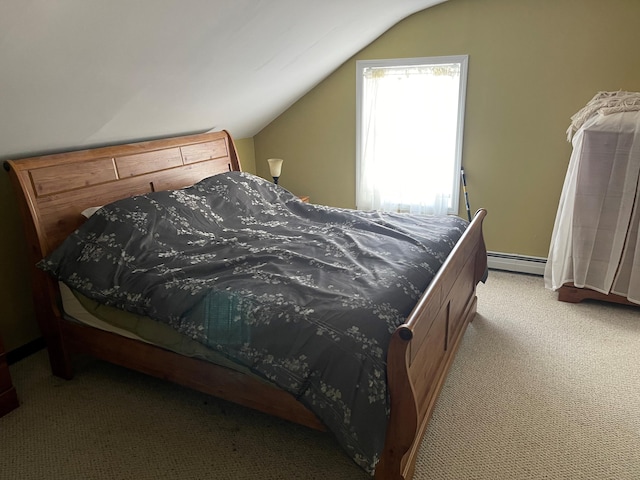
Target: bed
[53,190]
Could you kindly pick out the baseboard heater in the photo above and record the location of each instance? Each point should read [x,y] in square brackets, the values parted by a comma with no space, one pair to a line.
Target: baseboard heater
[516,263]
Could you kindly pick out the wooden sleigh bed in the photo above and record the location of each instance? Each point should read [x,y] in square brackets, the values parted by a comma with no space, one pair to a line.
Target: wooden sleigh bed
[53,190]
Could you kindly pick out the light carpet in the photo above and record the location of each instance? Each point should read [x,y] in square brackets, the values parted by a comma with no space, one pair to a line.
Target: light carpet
[539,390]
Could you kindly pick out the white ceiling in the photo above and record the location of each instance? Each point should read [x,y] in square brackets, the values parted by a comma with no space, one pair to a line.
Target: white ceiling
[76,73]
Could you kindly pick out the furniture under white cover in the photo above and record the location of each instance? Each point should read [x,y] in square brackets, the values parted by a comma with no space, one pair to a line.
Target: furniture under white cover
[595,240]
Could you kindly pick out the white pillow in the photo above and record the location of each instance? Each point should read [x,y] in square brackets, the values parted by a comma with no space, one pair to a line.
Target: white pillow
[87,212]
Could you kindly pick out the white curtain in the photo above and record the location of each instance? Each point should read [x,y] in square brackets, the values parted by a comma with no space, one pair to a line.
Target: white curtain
[595,237]
[408,139]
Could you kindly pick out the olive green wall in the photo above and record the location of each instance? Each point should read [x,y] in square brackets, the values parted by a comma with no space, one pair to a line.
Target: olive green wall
[17,323]
[532,65]
[246,152]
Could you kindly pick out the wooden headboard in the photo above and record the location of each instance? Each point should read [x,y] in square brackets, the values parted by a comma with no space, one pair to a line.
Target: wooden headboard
[53,190]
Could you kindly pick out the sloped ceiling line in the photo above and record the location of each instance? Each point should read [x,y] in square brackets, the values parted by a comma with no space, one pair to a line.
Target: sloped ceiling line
[78,73]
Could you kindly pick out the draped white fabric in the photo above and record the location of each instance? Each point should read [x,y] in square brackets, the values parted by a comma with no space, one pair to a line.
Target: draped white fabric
[409,132]
[595,240]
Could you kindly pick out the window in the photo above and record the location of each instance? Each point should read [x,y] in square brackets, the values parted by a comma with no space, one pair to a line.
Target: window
[409,119]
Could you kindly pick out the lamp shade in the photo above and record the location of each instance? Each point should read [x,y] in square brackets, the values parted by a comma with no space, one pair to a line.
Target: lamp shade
[275,166]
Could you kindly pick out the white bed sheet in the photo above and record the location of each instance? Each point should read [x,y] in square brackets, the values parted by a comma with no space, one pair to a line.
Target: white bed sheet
[76,312]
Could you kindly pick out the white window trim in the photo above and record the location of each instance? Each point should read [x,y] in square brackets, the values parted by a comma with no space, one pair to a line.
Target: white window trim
[463,60]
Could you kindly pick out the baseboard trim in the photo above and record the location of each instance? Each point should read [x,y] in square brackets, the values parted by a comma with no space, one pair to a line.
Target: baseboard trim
[25,350]
[516,263]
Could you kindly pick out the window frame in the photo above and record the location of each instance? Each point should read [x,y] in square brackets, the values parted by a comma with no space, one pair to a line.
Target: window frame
[463,60]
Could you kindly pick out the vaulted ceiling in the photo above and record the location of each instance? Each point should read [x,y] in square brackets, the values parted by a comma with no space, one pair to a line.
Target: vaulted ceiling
[79,73]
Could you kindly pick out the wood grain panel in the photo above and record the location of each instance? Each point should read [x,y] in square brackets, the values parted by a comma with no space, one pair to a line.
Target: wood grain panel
[60,213]
[62,178]
[429,355]
[459,301]
[204,151]
[133,165]
[428,311]
[190,174]
[190,372]
[58,187]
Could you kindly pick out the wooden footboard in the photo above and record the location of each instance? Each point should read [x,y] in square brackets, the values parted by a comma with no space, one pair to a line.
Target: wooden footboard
[421,350]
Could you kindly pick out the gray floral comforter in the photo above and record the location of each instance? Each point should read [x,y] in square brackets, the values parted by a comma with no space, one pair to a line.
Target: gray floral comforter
[304,295]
